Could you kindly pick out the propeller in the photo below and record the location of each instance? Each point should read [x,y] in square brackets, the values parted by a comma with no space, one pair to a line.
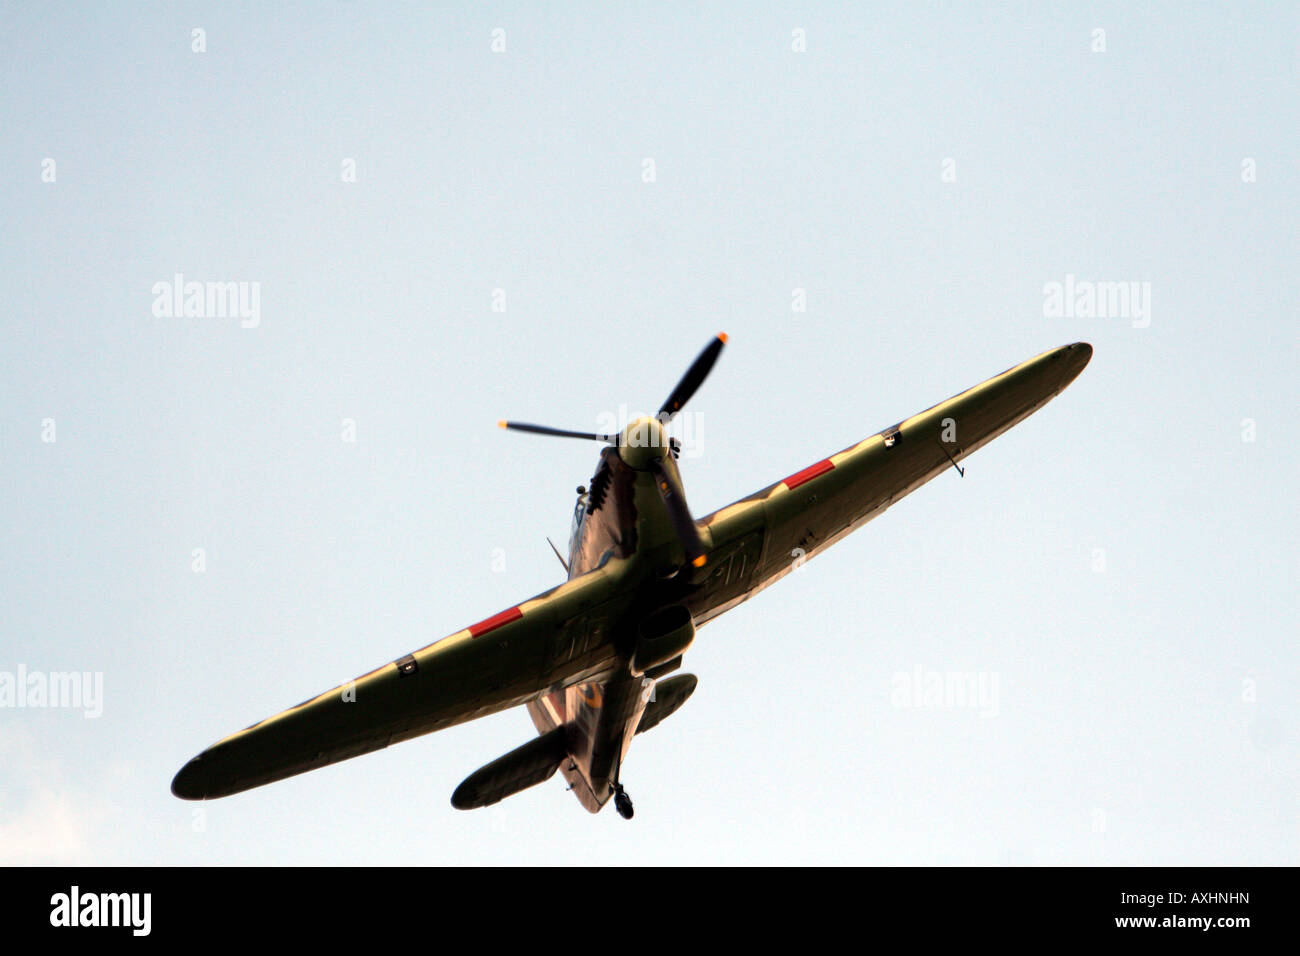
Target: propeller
[680,395]
[666,482]
[693,379]
[561,432]
[675,502]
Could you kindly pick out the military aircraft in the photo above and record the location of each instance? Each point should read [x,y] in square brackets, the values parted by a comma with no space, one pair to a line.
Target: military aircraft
[590,658]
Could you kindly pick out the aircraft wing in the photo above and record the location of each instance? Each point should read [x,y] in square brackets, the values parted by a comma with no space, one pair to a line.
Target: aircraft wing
[500,662]
[757,540]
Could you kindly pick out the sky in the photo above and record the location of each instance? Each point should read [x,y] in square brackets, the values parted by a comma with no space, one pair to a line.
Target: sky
[450,215]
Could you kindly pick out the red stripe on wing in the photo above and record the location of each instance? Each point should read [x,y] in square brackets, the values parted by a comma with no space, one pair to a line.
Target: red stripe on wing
[809,473]
[495,621]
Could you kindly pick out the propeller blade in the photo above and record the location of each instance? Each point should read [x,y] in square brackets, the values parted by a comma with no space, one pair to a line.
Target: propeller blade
[563,433]
[679,514]
[693,379]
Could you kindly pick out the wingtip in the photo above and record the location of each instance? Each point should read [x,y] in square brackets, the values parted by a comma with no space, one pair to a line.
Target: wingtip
[1080,354]
[187,784]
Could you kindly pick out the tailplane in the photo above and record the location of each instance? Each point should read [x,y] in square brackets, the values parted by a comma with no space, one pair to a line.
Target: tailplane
[669,695]
[533,763]
[536,761]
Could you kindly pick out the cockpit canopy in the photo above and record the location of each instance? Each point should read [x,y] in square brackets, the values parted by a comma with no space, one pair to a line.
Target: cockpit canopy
[579,515]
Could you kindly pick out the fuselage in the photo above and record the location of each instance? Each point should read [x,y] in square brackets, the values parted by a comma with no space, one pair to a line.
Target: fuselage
[620,516]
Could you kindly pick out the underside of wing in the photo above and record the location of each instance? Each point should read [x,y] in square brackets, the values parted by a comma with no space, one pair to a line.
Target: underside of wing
[759,539]
[500,662]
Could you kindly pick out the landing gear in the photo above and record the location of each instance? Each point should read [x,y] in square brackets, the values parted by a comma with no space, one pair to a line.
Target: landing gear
[622,802]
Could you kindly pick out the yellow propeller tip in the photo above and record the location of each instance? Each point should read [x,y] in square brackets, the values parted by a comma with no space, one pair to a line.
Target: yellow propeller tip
[722,337]
[501,424]
[700,562]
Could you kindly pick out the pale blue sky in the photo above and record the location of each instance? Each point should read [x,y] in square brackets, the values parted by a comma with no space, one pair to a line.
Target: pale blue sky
[1146,714]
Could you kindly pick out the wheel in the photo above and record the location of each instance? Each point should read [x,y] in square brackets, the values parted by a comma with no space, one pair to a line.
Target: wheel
[623,804]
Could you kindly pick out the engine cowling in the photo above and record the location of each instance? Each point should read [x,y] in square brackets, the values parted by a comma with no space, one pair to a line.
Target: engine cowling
[662,636]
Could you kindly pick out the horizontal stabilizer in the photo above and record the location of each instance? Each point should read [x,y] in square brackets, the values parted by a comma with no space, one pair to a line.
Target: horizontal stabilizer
[669,695]
[523,767]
